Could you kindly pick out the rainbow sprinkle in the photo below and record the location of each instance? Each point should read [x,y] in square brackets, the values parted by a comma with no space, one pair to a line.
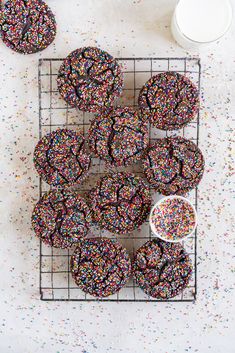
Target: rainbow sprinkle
[173,219]
[90,79]
[60,158]
[100,266]
[61,218]
[27,26]
[169,100]
[120,137]
[173,165]
[120,202]
[162,270]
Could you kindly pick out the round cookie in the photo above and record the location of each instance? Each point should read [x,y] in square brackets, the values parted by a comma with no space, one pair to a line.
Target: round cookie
[120,137]
[27,26]
[59,158]
[173,165]
[90,79]
[100,266]
[61,218]
[169,100]
[162,270]
[120,202]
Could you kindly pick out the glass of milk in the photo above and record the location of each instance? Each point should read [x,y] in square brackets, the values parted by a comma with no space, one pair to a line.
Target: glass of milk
[196,23]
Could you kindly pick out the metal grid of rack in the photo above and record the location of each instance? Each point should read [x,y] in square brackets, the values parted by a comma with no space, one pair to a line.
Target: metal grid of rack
[56,283]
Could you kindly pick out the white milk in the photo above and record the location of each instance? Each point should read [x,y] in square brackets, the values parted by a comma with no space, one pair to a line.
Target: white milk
[199,22]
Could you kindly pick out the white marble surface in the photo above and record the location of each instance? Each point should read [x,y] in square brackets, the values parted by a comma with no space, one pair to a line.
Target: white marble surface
[27,325]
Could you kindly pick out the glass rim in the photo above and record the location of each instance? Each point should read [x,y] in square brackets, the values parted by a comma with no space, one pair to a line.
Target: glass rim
[204,42]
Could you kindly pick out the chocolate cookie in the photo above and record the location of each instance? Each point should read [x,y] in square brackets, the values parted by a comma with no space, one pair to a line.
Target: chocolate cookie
[169,100]
[120,137]
[60,159]
[61,218]
[90,79]
[120,202]
[173,165]
[162,269]
[100,266]
[27,26]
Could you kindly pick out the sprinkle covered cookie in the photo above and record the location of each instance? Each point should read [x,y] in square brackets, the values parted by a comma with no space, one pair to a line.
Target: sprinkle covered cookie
[61,218]
[162,269]
[120,137]
[173,165]
[120,202]
[90,79]
[169,100]
[60,159]
[100,266]
[27,26]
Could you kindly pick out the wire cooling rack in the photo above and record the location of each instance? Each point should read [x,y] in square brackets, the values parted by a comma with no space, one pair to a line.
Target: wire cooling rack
[56,283]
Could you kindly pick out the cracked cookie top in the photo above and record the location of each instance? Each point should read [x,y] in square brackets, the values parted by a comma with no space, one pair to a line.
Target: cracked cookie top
[59,158]
[162,269]
[90,79]
[120,137]
[169,100]
[120,202]
[173,165]
[27,26]
[100,266]
[61,218]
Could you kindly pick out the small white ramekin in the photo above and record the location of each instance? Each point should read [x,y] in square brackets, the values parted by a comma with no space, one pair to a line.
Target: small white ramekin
[152,226]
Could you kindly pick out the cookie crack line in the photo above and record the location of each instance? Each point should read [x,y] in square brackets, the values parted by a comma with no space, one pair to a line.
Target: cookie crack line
[162,269]
[60,159]
[119,138]
[90,79]
[76,88]
[169,100]
[89,271]
[126,208]
[57,227]
[128,200]
[49,163]
[88,74]
[26,27]
[59,219]
[93,58]
[181,165]
[68,214]
[110,139]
